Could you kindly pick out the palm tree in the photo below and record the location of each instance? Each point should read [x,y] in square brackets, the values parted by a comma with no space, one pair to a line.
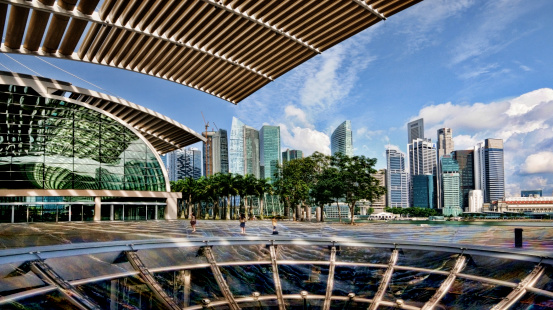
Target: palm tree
[263,187]
[188,189]
[239,186]
[227,184]
[249,189]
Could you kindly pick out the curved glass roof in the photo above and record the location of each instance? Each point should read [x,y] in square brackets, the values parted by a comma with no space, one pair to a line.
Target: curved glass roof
[162,265]
[227,48]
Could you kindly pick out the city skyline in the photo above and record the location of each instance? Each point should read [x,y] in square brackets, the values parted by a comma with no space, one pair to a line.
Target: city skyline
[479,68]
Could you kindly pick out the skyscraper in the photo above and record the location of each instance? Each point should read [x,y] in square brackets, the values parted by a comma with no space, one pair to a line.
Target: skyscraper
[445,142]
[465,159]
[251,151]
[183,163]
[236,149]
[489,169]
[422,160]
[289,155]
[423,191]
[269,140]
[207,149]
[451,186]
[220,152]
[341,140]
[415,130]
[381,177]
[397,186]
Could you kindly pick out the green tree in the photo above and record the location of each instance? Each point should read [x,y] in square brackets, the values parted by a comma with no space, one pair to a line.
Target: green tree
[262,187]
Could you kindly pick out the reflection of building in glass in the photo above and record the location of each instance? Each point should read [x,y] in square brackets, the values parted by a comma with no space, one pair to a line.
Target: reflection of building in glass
[531,193]
[251,151]
[450,185]
[289,155]
[465,159]
[341,140]
[269,141]
[220,152]
[397,187]
[423,191]
[61,147]
[489,169]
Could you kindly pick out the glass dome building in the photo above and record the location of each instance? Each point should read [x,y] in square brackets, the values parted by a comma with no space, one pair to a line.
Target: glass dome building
[69,154]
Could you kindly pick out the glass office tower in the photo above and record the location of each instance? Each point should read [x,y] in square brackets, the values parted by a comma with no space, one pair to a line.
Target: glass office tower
[397,178]
[251,151]
[289,155]
[220,155]
[269,140]
[495,173]
[236,147]
[451,186]
[423,191]
[341,140]
[465,159]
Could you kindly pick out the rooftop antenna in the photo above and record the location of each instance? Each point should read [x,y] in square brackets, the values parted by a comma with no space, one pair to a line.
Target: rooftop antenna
[207,149]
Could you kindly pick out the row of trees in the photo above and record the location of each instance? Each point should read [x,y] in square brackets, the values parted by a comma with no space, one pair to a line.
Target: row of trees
[316,180]
[414,211]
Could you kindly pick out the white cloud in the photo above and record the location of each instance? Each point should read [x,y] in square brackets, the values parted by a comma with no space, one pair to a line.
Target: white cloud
[293,112]
[541,162]
[306,139]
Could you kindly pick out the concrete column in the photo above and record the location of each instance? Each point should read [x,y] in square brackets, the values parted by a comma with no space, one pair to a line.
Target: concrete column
[298,213]
[171,209]
[13,214]
[185,276]
[111,212]
[318,214]
[155,214]
[69,213]
[97,208]
[307,213]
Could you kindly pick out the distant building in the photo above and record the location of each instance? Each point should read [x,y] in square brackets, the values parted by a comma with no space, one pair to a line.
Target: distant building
[289,155]
[220,155]
[236,147]
[184,163]
[207,150]
[269,140]
[475,201]
[341,140]
[526,204]
[465,159]
[415,130]
[531,193]
[251,151]
[451,187]
[489,169]
[422,159]
[444,145]
[397,187]
[381,177]
[423,191]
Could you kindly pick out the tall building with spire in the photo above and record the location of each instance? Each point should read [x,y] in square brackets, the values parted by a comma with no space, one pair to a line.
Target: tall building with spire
[341,140]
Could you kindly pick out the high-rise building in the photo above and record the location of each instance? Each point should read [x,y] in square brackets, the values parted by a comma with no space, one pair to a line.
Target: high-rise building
[397,178]
[422,161]
[207,149]
[220,156]
[489,169]
[423,191]
[451,186]
[341,140]
[381,177]
[289,155]
[269,140]
[251,151]
[465,159]
[445,142]
[415,130]
[476,201]
[236,148]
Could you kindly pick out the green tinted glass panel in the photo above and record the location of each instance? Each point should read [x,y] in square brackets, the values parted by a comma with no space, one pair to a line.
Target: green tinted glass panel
[52,144]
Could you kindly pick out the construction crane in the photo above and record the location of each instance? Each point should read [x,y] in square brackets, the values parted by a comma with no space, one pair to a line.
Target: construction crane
[207,150]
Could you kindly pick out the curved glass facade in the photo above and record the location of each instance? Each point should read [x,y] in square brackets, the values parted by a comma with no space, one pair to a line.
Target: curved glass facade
[53,144]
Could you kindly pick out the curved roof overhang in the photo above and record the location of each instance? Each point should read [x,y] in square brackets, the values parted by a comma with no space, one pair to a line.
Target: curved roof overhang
[227,48]
[163,133]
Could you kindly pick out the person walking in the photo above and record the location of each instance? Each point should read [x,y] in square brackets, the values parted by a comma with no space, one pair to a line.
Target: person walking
[274,221]
[193,222]
[243,223]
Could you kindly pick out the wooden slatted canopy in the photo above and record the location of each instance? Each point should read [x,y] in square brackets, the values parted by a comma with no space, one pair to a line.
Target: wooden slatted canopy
[227,48]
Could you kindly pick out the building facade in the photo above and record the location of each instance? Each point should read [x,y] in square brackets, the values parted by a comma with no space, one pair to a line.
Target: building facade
[445,141]
[236,147]
[397,187]
[251,151]
[422,160]
[451,187]
[423,191]
[465,159]
[531,193]
[269,140]
[383,201]
[64,158]
[489,169]
[415,130]
[341,140]
[220,155]
[476,201]
[289,155]
[207,150]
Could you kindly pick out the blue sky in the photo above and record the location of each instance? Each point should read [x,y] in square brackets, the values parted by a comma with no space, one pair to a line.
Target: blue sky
[483,68]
